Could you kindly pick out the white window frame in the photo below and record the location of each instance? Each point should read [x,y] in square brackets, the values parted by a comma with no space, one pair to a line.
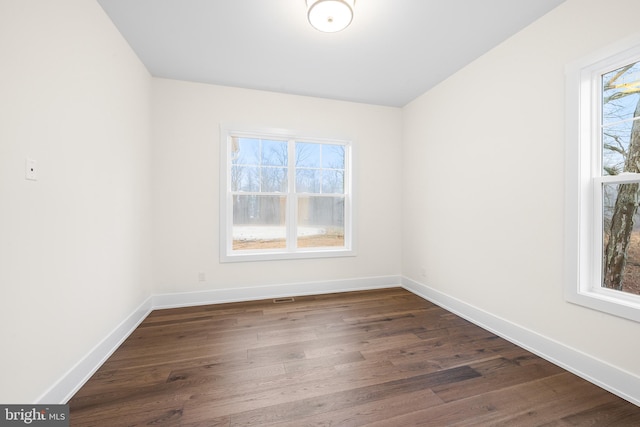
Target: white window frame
[583,182]
[227,254]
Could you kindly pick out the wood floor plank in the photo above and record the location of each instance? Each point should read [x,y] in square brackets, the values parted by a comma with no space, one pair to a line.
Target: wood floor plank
[105,381]
[377,358]
[369,412]
[521,405]
[336,361]
[542,402]
[349,398]
[606,414]
[297,387]
[496,373]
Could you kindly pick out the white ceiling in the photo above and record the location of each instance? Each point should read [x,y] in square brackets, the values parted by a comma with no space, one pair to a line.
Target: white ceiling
[394,50]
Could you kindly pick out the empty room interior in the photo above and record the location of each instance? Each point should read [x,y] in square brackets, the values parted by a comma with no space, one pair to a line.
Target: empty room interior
[457,184]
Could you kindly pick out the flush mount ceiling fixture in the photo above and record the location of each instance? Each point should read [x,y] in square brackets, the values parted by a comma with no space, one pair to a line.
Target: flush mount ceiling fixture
[330,16]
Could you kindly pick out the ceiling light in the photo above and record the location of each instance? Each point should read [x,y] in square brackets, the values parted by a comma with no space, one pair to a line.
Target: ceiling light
[330,16]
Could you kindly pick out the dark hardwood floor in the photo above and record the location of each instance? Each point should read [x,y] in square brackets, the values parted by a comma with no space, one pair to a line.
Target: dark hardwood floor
[374,358]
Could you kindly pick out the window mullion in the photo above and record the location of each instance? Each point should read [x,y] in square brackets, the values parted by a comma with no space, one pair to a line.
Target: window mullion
[292,198]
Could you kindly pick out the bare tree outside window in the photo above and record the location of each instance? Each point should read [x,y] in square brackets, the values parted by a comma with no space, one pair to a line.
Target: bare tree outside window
[621,154]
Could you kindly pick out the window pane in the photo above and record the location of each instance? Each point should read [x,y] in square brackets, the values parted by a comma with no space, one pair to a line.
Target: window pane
[307,155]
[255,152]
[320,221]
[621,238]
[259,222]
[245,178]
[245,151]
[274,153]
[333,181]
[333,156]
[256,179]
[308,180]
[615,146]
[274,180]
[618,98]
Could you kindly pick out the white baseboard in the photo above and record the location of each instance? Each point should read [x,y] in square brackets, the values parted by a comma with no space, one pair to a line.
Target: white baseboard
[615,380]
[79,374]
[217,296]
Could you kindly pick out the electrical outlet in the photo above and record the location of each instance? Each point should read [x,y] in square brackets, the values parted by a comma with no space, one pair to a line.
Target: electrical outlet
[423,272]
[201,277]
[31,170]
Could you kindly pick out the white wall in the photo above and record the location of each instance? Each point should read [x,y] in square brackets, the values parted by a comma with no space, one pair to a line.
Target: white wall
[74,253]
[186,138]
[483,161]
[476,164]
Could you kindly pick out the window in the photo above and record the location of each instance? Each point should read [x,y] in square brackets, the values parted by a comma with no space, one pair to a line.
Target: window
[284,197]
[603,179]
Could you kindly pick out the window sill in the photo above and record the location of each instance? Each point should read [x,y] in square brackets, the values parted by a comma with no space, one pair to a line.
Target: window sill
[281,255]
[618,305]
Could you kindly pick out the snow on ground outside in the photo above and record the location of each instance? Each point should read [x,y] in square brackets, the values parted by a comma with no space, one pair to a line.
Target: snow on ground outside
[265,232]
